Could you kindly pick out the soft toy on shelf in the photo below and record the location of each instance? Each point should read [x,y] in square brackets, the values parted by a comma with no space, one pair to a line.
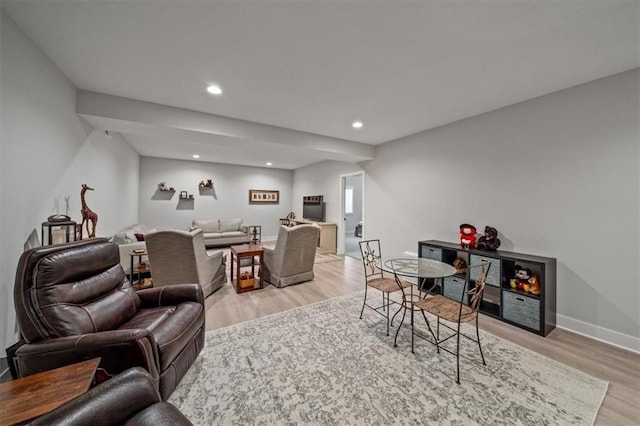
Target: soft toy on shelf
[460,265]
[522,277]
[534,285]
[490,240]
[467,236]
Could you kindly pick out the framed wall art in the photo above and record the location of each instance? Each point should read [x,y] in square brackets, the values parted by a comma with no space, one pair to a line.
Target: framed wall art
[264,196]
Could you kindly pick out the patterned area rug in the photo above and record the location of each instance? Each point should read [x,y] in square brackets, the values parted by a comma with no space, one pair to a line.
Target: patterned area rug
[320,364]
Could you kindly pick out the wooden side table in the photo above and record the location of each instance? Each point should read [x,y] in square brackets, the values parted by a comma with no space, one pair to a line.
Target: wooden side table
[247,251]
[141,283]
[32,396]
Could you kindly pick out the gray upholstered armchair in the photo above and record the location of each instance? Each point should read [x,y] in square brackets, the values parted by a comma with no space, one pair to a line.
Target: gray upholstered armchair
[291,261]
[180,257]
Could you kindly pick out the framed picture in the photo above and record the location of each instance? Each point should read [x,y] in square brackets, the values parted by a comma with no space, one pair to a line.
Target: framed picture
[264,196]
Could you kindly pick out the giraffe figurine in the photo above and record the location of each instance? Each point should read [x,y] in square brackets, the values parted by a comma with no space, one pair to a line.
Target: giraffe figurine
[88,215]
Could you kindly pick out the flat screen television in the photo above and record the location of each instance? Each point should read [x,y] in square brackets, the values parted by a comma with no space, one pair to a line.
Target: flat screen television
[313,208]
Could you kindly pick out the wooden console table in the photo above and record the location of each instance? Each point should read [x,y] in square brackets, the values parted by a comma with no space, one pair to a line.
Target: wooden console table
[32,396]
[328,234]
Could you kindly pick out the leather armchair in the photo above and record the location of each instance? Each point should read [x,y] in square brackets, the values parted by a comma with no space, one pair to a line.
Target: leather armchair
[291,260]
[129,398]
[74,302]
[178,257]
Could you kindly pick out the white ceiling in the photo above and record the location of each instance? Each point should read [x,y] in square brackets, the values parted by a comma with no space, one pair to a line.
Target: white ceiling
[315,66]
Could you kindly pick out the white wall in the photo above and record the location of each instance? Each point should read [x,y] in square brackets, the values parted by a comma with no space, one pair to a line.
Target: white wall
[47,153]
[558,177]
[230,198]
[322,179]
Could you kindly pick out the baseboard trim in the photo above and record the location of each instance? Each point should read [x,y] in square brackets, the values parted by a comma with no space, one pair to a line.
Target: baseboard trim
[601,334]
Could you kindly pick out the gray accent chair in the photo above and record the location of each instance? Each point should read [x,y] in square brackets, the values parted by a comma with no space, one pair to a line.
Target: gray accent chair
[180,257]
[291,260]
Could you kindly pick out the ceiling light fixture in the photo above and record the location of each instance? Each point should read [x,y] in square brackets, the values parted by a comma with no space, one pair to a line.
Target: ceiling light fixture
[268,163]
[196,156]
[214,90]
[357,124]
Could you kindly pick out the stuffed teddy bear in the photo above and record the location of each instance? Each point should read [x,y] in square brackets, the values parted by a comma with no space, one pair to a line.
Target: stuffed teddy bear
[490,240]
[467,236]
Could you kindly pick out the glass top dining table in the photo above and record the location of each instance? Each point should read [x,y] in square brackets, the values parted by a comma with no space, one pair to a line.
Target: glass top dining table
[428,273]
[416,267]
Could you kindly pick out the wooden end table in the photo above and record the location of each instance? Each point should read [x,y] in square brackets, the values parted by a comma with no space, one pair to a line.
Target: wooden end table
[32,396]
[142,282]
[247,251]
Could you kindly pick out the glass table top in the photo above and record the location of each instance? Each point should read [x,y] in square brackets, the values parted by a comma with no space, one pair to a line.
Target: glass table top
[417,267]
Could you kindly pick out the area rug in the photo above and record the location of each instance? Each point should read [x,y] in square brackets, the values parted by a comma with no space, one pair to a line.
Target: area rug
[320,364]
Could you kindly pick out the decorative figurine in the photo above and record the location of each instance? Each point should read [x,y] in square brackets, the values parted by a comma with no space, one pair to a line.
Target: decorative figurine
[88,215]
[207,184]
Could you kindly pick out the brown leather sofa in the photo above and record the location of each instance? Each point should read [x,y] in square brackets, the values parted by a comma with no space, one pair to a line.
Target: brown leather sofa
[74,302]
[129,398]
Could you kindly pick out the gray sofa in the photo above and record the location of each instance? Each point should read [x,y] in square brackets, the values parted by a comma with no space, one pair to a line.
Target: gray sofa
[222,232]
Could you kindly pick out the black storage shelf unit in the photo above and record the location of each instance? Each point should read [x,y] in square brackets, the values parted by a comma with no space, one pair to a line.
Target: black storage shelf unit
[535,313]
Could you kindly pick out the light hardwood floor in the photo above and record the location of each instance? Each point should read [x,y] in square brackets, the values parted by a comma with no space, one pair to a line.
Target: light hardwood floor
[621,368]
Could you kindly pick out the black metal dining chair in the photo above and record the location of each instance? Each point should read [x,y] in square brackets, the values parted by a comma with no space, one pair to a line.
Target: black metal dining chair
[459,310]
[374,277]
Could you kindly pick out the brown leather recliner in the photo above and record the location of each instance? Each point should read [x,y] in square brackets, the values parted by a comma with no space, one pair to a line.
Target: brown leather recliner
[129,398]
[74,302]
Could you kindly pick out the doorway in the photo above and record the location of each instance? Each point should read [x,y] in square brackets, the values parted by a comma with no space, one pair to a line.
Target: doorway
[352,213]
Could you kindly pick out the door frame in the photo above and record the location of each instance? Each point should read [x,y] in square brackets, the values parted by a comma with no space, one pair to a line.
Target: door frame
[341,231]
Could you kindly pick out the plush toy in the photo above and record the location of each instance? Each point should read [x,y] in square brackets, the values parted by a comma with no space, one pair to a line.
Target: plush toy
[522,277]
[490,240]
[534,285]
[467,236]
[460,265]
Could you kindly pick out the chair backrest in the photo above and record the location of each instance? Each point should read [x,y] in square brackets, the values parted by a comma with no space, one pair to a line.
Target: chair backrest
[295,249]
[476,287]
[71,289]
[371,257]
[175,256]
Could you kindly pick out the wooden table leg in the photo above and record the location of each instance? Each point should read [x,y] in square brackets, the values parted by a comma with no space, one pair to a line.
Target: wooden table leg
[231,267]
[238,263]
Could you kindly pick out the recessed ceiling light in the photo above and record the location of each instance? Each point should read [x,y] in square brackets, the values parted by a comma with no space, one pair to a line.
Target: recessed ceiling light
[214,90]
[357,124]
[268,163]
[196,156]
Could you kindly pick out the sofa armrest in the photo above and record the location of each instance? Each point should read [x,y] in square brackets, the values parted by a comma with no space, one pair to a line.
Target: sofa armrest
[171,295]
[244,228]
[118,350]
[112,402]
